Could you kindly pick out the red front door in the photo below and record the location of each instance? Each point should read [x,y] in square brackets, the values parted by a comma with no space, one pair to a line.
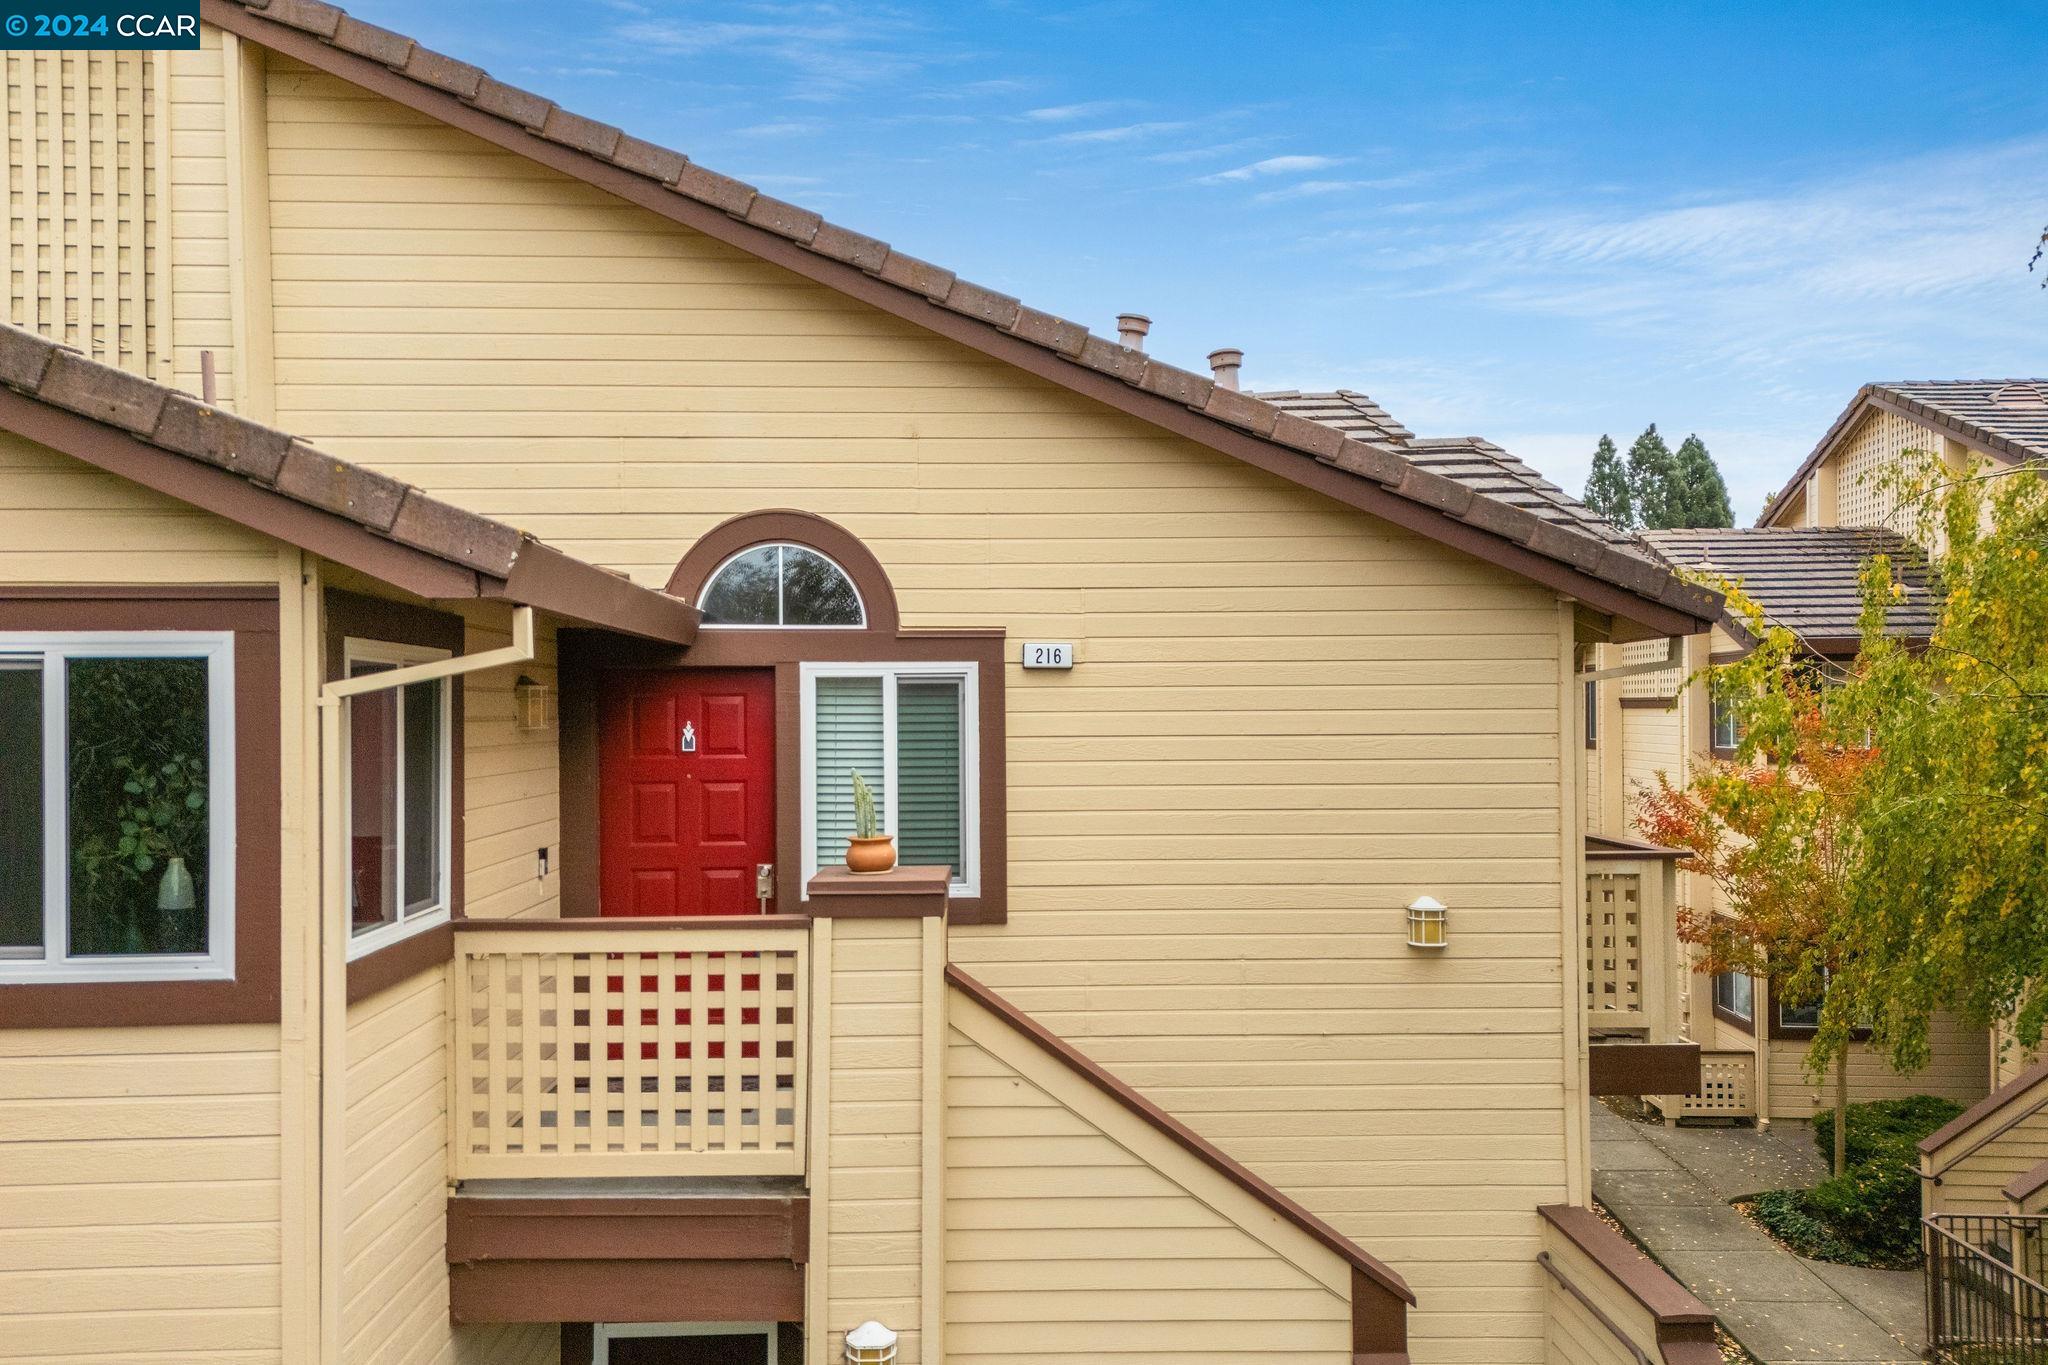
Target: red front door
[686,790]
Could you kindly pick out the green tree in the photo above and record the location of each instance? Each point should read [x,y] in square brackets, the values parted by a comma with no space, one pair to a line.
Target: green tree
[1651,471]
[1950,910]
[1701,496]
[1607,486]
[1780,837]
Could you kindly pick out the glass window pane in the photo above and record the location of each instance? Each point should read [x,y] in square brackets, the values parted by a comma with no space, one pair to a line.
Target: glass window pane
[21,804]
[744,592]
[815,591]
[423,796]
[848,741]
[929,782]
[373,806]
[136,746]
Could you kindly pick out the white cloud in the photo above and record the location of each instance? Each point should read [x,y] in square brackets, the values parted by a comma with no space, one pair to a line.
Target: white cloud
[1128,132]
[1067,113]
[1272,165]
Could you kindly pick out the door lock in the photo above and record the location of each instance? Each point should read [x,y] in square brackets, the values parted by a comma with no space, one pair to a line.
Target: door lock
[764,884]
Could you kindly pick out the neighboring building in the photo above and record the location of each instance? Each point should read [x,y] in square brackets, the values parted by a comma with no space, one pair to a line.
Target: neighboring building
[1801,564]
[437,950]
[1965,422]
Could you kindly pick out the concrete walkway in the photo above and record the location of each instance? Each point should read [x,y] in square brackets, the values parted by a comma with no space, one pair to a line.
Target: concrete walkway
[1670,1188]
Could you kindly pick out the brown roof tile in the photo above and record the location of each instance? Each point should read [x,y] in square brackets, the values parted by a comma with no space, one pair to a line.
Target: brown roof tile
[1318,425]
[1809,579]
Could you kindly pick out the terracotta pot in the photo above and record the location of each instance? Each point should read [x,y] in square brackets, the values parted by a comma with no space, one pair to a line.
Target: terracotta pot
[869,856]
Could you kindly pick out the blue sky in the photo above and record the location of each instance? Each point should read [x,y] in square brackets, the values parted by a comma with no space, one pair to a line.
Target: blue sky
[1529,222]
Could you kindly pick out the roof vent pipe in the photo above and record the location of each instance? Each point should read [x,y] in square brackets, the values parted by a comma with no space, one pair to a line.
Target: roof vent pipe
[1224,363]
[1131,329]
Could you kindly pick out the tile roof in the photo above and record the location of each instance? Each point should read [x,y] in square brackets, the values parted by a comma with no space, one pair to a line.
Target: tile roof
[1477,463]
[175,423]
[1577,549]
[2009,413]
[2007,417]
[1806,579]
[1348,410]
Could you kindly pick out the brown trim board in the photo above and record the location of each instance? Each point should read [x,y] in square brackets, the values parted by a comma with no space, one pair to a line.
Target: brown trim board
[1185,1137]
[1648,703]
[350,615]
[627,1258]
[253,996]
[781,524]
[1643,1068]
[583,657]
[1685,1326]
[1297,466]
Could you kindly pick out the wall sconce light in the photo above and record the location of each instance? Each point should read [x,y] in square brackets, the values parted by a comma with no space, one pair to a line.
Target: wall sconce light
[870,1344]
[1428,923]
[530,704]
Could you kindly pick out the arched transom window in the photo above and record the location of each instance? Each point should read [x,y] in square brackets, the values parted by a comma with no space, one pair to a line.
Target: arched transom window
[781,585]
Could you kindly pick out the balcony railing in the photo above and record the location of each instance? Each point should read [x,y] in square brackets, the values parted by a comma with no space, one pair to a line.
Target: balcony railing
[630,1047]
[1986,1304]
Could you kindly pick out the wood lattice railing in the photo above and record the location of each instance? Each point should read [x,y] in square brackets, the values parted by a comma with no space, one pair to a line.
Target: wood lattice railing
[630,1047]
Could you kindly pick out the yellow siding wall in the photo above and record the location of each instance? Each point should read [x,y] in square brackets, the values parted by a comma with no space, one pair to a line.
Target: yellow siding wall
[1576,1336]
[873,1213]
[1960,1070]
[1288,721]
[1075,1232]
[394,1203]
[139,1194]
[62,521]
[82,203]
[394,1215]
[1974,1172]
[139,1168]
[201,272]
[511,801]
[1649,746]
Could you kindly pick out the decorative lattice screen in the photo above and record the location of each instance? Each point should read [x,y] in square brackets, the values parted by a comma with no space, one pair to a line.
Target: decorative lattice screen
[83,160]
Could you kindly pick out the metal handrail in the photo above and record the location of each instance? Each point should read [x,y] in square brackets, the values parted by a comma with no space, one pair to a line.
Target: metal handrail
[1980,1306]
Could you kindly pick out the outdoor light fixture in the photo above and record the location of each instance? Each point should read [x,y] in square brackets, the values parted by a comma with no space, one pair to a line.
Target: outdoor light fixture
[1428,923]
[530,704]
[870,1344]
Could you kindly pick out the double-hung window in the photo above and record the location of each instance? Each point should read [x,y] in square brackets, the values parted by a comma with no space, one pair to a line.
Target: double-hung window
[399,765]
[117,806]
[910,731]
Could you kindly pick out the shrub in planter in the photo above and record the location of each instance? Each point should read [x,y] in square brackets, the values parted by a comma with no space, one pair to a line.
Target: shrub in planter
[1874,1207]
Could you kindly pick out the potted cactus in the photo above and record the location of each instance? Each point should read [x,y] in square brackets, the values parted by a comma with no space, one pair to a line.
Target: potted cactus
[868,851]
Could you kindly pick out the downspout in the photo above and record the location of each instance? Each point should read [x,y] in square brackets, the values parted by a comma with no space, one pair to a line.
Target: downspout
[334,940]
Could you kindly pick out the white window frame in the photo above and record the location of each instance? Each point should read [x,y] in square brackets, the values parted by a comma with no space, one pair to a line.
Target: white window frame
[968,883]
[711,581]
[409,922]
[54,963]
[603,1334]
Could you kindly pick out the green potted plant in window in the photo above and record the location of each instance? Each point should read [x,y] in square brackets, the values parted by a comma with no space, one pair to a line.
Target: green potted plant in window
[868,851]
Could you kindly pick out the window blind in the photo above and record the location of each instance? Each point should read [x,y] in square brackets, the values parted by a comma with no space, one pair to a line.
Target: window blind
[928,772]
[848,740]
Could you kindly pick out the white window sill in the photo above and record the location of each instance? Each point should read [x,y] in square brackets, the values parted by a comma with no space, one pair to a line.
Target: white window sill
[383,936]
[29,972]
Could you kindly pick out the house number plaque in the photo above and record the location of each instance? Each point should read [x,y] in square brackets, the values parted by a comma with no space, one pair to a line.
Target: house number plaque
[1048,654]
